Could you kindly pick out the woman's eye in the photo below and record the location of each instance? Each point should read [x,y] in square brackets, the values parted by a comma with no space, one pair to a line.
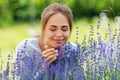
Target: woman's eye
[64,29]
[52,29]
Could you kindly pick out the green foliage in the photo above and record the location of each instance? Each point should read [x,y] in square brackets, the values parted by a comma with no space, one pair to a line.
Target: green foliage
[30,10]
[112,9]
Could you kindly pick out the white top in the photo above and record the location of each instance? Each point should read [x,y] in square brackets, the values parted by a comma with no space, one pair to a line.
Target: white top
[29,59]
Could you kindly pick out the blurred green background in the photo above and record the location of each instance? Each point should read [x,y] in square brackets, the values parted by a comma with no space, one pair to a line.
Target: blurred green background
[20,19]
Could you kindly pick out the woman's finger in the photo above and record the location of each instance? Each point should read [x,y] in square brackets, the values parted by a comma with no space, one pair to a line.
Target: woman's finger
[47,51]
[52,60]
[51,57]
[50,53]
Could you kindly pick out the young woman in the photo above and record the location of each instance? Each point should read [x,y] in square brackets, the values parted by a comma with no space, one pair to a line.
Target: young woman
[35,54]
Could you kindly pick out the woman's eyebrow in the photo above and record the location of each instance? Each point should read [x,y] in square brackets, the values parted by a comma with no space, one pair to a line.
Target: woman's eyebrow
[65,25]
[53,25]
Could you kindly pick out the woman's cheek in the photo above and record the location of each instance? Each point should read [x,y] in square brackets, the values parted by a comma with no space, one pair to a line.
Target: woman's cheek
[67,36]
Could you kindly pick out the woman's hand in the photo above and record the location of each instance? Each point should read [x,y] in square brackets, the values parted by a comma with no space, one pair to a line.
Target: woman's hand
[50,54]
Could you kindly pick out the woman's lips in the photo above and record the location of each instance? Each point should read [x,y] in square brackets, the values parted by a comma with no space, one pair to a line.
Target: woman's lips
[58,40]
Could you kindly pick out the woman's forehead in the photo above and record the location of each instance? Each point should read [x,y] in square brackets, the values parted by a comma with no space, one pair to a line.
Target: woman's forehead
[57,19]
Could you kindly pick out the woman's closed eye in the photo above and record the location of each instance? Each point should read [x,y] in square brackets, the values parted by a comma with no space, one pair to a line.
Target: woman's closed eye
[65,28]
[52,29]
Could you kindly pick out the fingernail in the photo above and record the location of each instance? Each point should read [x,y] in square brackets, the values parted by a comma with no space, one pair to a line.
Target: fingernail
[56,50]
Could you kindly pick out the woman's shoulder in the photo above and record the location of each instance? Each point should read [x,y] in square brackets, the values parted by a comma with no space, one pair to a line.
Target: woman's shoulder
[72,49]
[28,44]
[71,44]
[28,41]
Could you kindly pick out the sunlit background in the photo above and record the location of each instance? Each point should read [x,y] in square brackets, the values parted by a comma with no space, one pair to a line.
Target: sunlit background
[20,19]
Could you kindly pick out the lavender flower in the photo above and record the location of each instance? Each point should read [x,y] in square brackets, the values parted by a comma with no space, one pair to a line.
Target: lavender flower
[98,60]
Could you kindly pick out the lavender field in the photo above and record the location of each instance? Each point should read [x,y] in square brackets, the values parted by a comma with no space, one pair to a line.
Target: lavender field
[99,56]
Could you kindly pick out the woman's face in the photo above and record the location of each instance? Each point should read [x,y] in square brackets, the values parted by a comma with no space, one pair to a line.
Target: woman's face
[56,31]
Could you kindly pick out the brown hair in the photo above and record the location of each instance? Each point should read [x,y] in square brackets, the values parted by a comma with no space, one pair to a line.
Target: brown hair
[56,8]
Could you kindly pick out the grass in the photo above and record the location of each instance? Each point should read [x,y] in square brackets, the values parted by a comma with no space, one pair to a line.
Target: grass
[11,35]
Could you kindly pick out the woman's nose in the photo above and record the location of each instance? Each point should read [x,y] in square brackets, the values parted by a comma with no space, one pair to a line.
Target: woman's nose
[58,33]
